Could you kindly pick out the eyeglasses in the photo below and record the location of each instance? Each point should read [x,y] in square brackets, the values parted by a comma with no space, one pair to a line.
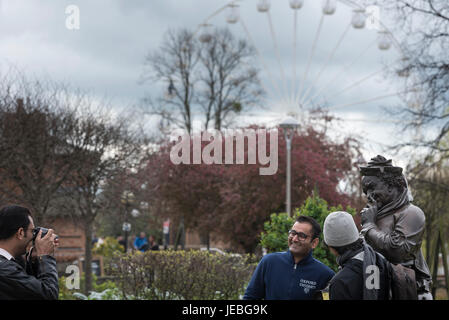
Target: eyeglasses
[301,236]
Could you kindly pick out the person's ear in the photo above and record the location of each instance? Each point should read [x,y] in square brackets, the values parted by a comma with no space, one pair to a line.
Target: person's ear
[315,243]
[20,233]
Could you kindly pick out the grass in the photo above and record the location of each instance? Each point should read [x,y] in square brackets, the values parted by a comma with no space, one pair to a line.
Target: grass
[441,294]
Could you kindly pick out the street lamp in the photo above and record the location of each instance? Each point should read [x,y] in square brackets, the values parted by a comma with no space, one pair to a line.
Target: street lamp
[289,125]
[127,199]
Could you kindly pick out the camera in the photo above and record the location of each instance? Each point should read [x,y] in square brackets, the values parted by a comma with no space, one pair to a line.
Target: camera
[36,232]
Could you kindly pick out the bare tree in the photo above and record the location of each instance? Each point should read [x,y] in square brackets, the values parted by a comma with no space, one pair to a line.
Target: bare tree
[423,29]
[174,65]
[106,147]
[214,80]
[36,119]
[230,81]
[430,185]
[58,147]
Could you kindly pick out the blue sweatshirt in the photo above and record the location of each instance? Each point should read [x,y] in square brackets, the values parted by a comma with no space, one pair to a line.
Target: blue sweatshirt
[277,277]
[139,242]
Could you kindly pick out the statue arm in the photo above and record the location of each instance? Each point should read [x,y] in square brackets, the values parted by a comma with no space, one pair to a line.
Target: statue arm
[401,243]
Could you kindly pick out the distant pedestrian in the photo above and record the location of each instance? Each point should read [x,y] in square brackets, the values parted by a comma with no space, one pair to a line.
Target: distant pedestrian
[121,241]
[152,243]
[141,242]
[94,239]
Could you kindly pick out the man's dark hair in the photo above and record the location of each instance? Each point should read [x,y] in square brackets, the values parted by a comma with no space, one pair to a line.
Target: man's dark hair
[316,229]
[11,219]
[356,245]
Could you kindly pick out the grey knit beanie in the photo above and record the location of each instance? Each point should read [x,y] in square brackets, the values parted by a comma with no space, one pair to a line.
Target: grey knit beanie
[339,229]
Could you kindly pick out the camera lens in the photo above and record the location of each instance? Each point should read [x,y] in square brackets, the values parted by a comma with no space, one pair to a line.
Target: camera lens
[36,232]
[44,232]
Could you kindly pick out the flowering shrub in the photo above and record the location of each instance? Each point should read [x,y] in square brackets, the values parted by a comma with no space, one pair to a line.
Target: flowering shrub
[190,275]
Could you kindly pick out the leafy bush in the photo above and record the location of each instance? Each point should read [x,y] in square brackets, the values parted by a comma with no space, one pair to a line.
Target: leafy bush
[275,236]
[107,294]
[108,248]
[160,275]
[74,294]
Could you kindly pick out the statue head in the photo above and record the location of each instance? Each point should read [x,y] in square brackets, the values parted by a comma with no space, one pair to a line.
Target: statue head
[381,181]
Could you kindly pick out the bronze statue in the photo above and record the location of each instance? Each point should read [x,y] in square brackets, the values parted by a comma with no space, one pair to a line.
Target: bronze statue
[390,223]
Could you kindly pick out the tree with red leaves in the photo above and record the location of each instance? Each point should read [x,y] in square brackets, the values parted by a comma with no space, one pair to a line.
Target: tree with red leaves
[232,201]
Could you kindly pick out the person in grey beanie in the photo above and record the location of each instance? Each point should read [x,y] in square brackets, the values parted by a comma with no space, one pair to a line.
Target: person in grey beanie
[363,274]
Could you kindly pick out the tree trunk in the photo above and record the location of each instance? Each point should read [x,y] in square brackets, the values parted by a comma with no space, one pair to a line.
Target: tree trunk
[183,234]
[428,240]
[435,266]
[444,254]
[88,257]
[180,236]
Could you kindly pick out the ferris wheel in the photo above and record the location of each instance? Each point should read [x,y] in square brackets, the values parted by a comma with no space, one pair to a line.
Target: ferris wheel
[345,70]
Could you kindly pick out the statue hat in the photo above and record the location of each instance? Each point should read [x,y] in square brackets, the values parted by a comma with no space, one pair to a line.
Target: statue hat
[379,165]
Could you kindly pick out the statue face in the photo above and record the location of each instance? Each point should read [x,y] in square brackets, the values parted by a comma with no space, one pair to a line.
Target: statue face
[375,188]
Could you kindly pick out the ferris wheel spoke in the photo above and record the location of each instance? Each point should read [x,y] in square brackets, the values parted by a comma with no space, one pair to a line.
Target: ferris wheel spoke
[278,56]
[295,28]
[312,53]
[373,120]
[340,72]
[368,100]
[329,59]
[358,82]
[262,62]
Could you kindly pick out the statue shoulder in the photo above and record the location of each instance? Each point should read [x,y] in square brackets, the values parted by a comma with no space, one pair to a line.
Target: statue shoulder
[414,211]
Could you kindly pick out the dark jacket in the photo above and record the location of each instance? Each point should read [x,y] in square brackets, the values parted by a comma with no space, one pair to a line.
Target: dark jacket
[40,281]
[350,282]
[277,277]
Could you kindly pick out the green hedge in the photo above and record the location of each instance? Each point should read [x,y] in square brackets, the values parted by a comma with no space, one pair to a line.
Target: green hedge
[190,275]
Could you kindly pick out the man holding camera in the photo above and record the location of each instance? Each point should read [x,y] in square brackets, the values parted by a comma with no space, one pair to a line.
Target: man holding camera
[37,278]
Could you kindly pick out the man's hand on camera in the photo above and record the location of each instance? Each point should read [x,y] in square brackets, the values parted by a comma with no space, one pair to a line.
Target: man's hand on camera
[45,245]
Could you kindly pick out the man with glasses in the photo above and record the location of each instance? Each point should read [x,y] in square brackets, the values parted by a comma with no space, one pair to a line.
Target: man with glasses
[293,274]
[38,278]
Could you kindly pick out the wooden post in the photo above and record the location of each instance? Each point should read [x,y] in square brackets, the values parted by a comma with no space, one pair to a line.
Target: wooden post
[435,266]
[445,267]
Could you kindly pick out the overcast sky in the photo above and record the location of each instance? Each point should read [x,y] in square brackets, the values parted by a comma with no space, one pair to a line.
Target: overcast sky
[106,55]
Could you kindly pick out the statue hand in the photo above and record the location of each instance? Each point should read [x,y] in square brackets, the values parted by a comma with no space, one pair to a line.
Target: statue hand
[369,214]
